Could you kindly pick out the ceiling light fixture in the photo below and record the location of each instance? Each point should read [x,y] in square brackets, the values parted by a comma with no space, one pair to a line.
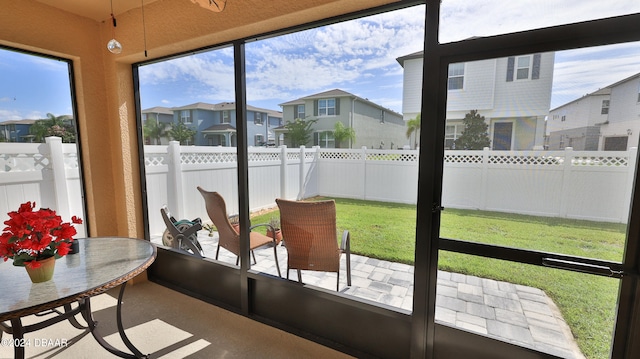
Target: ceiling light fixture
[113,45]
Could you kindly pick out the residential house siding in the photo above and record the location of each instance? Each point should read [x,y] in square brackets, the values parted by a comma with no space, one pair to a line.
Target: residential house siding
[492,87]
[374,125]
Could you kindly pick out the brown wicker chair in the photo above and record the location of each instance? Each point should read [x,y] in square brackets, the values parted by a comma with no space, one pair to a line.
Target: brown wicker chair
[309,232]
[229,238]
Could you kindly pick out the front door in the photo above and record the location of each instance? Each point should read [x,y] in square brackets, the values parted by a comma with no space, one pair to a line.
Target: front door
[502,133]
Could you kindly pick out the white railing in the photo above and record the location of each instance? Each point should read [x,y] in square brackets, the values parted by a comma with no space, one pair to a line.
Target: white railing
[589,185]
[45,173]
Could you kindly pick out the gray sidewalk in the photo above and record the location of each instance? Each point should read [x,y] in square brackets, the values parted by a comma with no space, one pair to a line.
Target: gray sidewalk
[516,314]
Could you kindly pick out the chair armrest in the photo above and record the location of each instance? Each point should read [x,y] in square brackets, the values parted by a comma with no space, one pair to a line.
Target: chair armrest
[270,227]
[345,245]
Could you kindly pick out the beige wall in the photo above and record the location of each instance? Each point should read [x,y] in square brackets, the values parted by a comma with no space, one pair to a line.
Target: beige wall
[103,81]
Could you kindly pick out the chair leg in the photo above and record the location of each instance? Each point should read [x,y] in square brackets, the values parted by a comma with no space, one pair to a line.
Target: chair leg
[218,251]
[275,254]
[287,272]
[338,280]
[254,257]
[299,276]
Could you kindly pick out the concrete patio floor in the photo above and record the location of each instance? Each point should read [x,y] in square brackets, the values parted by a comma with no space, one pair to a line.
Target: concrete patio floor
[517,314]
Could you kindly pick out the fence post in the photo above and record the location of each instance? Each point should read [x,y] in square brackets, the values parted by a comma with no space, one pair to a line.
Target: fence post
[484,181]
[363,160]
[174,180]
[565,196]
[283,171]
[631,174]
[61,193]
[301,174]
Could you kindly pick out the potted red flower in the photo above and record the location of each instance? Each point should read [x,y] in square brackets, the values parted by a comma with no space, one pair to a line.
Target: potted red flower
[36,238]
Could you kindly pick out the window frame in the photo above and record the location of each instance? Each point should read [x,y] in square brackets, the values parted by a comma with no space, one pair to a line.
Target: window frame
[324,106]
[456,76]
[225,117]
[187,120]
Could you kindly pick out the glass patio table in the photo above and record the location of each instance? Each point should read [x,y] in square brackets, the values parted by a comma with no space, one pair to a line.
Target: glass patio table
[101,263]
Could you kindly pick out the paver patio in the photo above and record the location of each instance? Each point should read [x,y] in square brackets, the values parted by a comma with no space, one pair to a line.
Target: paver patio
[517,314]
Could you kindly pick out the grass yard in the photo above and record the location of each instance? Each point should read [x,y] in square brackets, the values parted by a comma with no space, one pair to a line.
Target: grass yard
[387,231]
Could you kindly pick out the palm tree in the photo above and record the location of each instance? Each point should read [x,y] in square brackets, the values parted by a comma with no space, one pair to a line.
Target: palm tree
[342,133]
[413,127]
[183,134]
[154,130]
[53,126]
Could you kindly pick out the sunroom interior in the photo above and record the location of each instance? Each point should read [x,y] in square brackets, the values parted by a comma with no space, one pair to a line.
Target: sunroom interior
[106,98]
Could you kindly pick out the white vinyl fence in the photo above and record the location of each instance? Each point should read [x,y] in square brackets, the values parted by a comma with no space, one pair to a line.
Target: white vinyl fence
[45,173]
[583,185]
[588,185]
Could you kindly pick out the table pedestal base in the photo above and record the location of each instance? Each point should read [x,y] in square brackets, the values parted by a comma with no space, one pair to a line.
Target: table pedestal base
[17,330]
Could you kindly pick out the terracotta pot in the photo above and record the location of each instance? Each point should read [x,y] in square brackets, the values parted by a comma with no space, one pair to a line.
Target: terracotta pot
[278,235]
[44,272]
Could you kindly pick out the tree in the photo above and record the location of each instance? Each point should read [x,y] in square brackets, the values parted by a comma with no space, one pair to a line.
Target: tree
[53,126]
[299,131]
[154,130]
[182,133]
[413,127]
[475,135]
[341,133]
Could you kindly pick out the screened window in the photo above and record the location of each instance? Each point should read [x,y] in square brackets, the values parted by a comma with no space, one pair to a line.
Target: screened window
[324,139]
[605,107]
[523,67]
[185,116]
[259,140]
[327,107]
[456,76]
[225,117]
[258,119]
[300,112]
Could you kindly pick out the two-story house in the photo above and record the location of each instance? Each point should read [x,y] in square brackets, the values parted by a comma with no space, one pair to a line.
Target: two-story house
[607,119]
[495,88]
[215,124]
[163,118]
[375,126]
[16,131]
[577,124]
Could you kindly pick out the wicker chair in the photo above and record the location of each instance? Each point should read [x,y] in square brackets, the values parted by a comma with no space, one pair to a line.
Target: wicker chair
[229,238]
[309,232]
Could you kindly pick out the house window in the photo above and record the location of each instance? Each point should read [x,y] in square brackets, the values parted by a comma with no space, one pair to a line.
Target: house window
[638,93]
[456,76]
[258,120]
[299,112]
[259,140]
[327,107]
[450,136]
[523,67]
[324,139]
[185,116]
[605,107]
[563,118]
[523,64]
[382,116]
[225,116]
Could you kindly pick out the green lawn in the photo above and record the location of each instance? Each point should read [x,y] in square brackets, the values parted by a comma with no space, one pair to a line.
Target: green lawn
[387,231]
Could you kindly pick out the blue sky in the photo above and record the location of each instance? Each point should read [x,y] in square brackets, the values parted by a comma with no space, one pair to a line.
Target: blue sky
[357,56]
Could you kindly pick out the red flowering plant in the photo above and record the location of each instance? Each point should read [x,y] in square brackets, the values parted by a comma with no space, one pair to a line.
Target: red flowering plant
[33,235]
